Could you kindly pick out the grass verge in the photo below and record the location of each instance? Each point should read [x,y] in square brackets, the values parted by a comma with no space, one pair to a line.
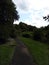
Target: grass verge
[39,51]
[6,52]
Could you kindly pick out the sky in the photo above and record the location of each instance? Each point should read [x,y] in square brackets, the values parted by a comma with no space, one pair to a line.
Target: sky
[31,12]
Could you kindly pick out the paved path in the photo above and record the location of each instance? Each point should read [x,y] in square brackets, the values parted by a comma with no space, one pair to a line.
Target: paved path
[21,55]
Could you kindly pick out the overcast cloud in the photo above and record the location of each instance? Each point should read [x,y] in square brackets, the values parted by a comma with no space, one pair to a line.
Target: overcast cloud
[32,11]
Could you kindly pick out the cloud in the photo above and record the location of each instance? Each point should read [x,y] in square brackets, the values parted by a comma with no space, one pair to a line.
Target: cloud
[29,4]
[32,11]
[21,4]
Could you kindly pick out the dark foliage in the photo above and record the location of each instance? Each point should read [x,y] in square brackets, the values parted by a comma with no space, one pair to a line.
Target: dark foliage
[8,14]
[47,37]
[28,31]
[46,17]
[37,35]
[26,35]
[2,40]
[23,26]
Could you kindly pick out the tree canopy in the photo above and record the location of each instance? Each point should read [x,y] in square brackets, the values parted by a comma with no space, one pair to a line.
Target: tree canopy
[8,14]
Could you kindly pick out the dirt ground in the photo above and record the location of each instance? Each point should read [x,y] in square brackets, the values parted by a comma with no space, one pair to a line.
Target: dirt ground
[21,55]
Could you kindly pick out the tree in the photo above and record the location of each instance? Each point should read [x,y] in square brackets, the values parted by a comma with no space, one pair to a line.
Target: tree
[23,26]
[37,35]
[8,14]
[46,17]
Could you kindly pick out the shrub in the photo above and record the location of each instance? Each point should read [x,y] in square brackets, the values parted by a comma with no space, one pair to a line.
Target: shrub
[37,35]
[26,35]
[2,40]
[47,37]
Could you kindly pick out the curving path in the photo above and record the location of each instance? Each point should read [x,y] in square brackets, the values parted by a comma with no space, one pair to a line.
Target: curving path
[21,55]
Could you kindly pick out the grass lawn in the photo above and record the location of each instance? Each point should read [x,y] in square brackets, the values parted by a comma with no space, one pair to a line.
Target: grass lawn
[39,51]
[6,53]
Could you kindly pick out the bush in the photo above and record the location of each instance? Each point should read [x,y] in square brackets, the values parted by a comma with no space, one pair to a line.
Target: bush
[26,35]
[2,40]
[47,37]
[3,37]
[37,35]
[13,33]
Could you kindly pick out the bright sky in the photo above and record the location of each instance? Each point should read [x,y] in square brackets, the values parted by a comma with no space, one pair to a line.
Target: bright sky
[32,11]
